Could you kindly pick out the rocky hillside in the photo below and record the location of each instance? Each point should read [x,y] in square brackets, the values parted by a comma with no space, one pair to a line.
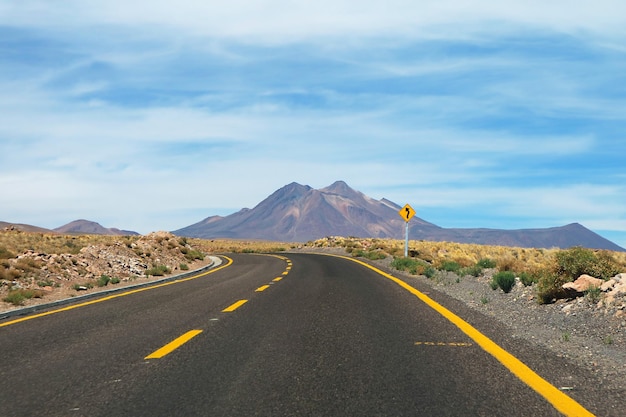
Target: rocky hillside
[53,276]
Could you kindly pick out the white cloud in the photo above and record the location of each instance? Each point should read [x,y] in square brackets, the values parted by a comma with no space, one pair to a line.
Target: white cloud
[229,101]
[280,20]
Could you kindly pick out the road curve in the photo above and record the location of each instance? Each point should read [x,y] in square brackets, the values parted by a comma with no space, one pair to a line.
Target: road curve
[290,335]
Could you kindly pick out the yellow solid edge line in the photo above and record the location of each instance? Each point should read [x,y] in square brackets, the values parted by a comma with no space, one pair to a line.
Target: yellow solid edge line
[173,345]
[234,306]
[111,297]
[552,394]
[262,288]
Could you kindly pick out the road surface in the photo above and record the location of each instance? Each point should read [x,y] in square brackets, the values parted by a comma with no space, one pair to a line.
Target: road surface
[275,335]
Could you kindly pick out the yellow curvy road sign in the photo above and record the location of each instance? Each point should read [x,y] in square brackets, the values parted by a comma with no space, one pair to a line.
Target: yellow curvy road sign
[406,213]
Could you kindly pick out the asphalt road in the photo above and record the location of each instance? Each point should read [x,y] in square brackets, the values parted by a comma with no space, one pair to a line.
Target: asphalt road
[316,336]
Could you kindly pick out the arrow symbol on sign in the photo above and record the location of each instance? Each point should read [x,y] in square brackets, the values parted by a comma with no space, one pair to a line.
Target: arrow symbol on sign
[408,213]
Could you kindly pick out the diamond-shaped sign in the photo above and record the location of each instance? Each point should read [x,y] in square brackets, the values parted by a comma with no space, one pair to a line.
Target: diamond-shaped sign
[406,213]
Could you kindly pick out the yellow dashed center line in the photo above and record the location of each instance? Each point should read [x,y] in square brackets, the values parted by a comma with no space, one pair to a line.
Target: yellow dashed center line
[262,288]
[234,306]
[173,345]
[277,279]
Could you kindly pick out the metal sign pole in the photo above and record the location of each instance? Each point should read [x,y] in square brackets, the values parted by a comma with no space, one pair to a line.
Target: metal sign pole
[406,240]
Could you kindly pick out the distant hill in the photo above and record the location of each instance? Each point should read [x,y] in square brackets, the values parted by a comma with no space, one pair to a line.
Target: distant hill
[24,227]
[299,213]
[567,236]
[86,227]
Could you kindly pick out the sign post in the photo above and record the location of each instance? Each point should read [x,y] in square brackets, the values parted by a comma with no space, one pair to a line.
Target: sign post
[406,213]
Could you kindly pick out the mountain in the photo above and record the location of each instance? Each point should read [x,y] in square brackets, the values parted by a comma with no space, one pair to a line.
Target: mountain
[299,213]
[86,227]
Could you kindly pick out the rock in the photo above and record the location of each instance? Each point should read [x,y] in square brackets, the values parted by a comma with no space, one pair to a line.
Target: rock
[582,284]
[608,285]
[620,277]
[619,288]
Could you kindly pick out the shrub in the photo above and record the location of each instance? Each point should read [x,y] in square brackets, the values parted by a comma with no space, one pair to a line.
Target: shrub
[505,280]
[413,266]
[450,266]
[593,294]
[103,281]
[375,255]
[46,283]
[429,271]
[17,297]
[573,262]
[568,265]
[606,266]
[115,280]
[528,278]
[486,263]
[158,270]
[183,267]
[193,254]
[475,270]
[403,264]
[549,286]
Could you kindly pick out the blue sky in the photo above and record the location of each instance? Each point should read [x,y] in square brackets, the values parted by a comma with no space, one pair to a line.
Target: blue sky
[153,115]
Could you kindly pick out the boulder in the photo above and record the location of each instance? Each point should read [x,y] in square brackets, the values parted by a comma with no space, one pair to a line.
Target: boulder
[582,284]
[608,285]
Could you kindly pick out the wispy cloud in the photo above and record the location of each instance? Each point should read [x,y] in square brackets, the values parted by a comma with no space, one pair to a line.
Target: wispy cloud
[481,114]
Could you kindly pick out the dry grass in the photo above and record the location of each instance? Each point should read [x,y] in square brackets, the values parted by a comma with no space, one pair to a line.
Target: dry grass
[548,268]
[532,266]
[13,243]
[437,253]
[17,242]
[240,246]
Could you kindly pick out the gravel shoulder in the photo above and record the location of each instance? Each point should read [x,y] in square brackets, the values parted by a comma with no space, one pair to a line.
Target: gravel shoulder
[576,329]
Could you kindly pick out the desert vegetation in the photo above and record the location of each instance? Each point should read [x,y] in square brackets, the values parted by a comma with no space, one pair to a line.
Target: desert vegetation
[545,269]
[33,262]
[36,265]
